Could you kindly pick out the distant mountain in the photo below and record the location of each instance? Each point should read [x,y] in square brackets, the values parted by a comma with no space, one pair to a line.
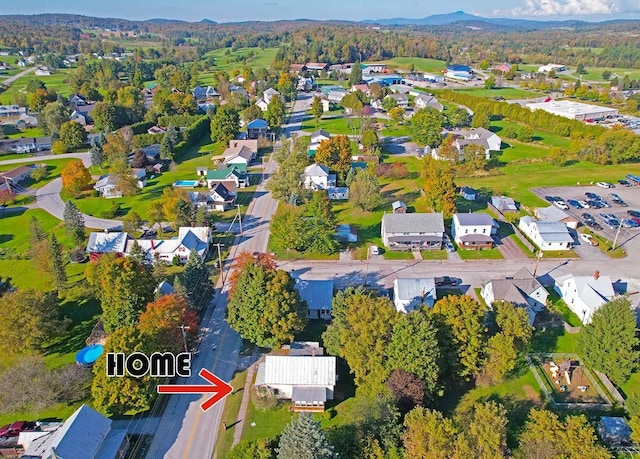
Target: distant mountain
[462,17]
[208,21]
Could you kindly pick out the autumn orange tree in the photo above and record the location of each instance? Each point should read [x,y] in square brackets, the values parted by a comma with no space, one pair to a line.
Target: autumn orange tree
[75,178]
[335,153]
[162,320]
[244,259]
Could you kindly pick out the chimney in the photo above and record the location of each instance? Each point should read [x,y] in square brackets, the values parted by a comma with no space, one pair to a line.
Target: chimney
[596,275]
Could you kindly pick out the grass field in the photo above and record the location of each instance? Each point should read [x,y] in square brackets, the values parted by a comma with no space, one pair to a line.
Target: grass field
[54,168]
[230,415]
[507,93]
[419,64]
[198,156]
[262,59]
[55,81]
[595,73]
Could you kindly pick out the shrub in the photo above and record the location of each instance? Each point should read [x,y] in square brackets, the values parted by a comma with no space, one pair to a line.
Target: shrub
[264,398]
[393,171]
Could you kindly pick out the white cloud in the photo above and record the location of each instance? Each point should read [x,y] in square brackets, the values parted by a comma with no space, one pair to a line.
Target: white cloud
[562,8]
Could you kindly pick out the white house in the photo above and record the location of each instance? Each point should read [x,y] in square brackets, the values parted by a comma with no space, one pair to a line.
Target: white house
[473,231]
[335,95]
[546,235]
[317,177]
[189,239]
[262,105]
[584,294]
[319,135]
[238,154]
[318,294]
[309,381]
[423,100]
[486,139]
[269,94]
[504,204]
[410,294]
[402,100]
[553,214]
[107,186]
[522,289]
[416,231]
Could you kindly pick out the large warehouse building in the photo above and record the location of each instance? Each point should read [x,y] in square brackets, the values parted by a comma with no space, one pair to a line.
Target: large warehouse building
[574,110]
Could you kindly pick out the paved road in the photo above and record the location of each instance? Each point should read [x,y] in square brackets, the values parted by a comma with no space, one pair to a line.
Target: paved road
[48,197]
[7,82]
[185,431]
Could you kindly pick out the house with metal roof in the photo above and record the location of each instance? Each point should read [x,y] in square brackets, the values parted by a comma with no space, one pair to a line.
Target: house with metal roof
[473,231]
[318,294]
[468,193]
[584,295]
[522,289]
[545,234]
[553,214]
[417,231]
[269,94]
[101,243]
[86,434]
[459,72]
[238,154]
[236,173]
[411,294]
[257,128]
[309,381]
[424,100]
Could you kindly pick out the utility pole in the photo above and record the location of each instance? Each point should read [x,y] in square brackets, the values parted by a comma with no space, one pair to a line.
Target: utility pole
[615,240]
[218,244]
[537,261]
[239,218]
[184,336]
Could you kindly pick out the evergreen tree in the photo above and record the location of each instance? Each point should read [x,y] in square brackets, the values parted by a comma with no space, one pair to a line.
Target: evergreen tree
[56,263]
[36,232]
[169,142]
[356,74]
[137,253]
[197,282]
[73,222]
[304,439]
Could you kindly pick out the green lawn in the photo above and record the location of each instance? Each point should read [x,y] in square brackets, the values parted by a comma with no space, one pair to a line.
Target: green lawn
[54,168]
[30,132]
[230,415]
[434,254]
[595,73]
[199,156]
[262,59]
[335,124]
[559,306]
[507,93]
[419,63]
[55,81]
[487,254]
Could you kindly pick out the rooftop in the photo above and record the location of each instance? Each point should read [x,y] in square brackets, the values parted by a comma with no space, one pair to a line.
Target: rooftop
[413,223]
[300,370]
[478,219]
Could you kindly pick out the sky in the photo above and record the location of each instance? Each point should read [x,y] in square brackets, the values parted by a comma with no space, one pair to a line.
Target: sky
[268,10]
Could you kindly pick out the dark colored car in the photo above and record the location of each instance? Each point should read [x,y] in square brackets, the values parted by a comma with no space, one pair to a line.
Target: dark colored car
[587,216]
[620,202]
[624,182]
[549,198]
[633,213]
[595,203]
[446,280]
[591,195]
[575,204]
[558,198]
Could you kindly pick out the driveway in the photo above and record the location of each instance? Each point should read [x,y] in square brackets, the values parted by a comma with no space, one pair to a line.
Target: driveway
[7,82]
[48,197]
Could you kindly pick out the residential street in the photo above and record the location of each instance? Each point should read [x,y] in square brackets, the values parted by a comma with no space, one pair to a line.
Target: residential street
[48,197]
[185,431]
[7,82]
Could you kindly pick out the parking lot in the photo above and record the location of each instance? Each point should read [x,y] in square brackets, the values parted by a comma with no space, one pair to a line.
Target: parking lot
[628,238]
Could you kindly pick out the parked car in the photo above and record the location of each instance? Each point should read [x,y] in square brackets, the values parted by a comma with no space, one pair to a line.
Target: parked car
[624,183]
[635,219]
[575,204]
[587,216]
[633,213]
[588,239]
[629,223]
[558,198]
[446,280]
[595,204]
[584,204]
[449,246]
[375,250]
[620,202]
[615,196]
[591,195]
[605,185]
[13,430]
[549,198]
[561,205]
[604,203]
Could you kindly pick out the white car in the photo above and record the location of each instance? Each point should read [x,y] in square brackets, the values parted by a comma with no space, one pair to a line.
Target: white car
[375,250]
[588,239]
[605,185]
[584,204]
[561,205]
